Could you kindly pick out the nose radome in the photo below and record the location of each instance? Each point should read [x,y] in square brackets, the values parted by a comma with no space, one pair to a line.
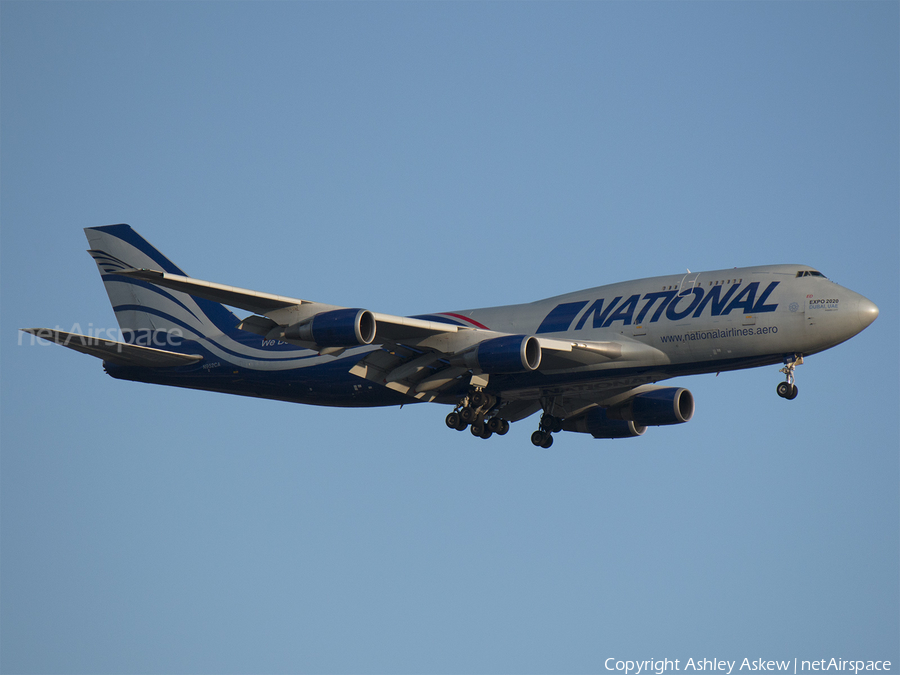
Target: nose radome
[868,312]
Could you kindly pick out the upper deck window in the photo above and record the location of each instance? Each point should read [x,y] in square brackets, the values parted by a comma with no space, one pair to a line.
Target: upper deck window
[810,273]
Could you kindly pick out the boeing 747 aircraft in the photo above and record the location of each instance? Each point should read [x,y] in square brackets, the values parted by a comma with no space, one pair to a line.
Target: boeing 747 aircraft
[589,360]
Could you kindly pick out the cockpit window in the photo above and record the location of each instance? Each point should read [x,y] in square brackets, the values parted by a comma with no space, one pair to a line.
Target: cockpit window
[810,273]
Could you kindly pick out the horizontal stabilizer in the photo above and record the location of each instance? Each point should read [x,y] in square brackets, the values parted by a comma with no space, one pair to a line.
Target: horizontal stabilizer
[119,353]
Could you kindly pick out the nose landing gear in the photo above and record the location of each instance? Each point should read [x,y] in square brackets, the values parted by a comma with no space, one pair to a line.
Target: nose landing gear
[788,389]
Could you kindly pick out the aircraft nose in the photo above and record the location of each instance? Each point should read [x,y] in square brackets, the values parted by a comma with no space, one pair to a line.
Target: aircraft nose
[868,312]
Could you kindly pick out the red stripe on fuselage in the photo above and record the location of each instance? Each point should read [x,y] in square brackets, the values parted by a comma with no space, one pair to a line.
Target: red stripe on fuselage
[465,318]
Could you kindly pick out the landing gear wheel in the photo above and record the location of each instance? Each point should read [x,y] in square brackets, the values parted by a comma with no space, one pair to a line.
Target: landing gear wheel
[788,389]
[497,425]
[478,399]
[551,423]
[542,439]
[467,415]
[547,442]
[487,433]
[452,420]
[478,428]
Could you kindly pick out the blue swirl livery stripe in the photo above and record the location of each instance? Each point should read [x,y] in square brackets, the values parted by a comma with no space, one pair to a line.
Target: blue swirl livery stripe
[149,287]
[220,317]
[103,256]
[129,236]
[110,266]
[201,337]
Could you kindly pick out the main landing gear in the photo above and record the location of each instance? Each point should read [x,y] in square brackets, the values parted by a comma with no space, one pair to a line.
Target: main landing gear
[549,425]
[788,389]
[472,412]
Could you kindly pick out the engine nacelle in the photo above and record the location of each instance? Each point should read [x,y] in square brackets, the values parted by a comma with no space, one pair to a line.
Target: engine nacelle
[506,354]
[337,328]
[596,423]
[669,405]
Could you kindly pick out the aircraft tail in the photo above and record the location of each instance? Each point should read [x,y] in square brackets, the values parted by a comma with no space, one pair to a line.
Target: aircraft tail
[144,310]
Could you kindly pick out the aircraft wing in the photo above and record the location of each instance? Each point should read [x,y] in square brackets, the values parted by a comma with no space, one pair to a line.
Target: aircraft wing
[278,307]
[562,354]
[419,358]
[252,301]
[120,353]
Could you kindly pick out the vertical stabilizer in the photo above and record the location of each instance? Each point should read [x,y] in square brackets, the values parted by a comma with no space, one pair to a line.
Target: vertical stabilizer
[141,307]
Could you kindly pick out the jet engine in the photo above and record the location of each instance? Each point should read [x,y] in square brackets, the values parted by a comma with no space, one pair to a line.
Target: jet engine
[337,328]
[667,405]
[656,407]
[599,425]
[506,354]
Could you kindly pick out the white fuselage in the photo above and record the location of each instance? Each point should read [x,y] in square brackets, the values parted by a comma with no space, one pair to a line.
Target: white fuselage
[702,318]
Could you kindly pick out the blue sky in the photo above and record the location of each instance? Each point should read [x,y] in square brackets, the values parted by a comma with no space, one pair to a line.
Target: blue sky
[419,157]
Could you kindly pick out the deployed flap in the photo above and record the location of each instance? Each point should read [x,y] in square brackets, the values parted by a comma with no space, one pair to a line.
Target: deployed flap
[120,353]
[260,325]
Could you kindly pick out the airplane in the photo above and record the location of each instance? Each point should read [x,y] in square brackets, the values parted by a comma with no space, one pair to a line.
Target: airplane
[588,361]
